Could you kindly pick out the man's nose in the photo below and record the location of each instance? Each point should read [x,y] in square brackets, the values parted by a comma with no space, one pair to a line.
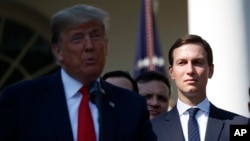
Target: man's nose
[190,68]
[154,101]
[88,42]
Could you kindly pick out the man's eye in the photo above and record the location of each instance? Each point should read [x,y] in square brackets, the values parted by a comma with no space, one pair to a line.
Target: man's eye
[198,63]
[162,98]
[77,39]
[181,63]
[148,96]
[96,37]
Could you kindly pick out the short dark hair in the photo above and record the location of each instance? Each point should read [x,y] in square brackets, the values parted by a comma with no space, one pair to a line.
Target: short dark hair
[153,75]
[120,73]
[187,39]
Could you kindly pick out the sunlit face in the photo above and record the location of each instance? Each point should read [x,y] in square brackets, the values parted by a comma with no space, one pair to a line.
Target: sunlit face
[190,71]
[157,95]
[120,82]
[82,50]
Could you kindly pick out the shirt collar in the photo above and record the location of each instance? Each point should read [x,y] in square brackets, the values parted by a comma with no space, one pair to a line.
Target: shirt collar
[203,106]
[71,86]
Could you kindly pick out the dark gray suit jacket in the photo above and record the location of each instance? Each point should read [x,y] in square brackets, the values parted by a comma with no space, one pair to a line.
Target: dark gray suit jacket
[36,110]
[168,126]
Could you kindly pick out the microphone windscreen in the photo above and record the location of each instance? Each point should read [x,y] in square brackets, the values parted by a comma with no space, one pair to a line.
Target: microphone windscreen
[93,91]
[93,87]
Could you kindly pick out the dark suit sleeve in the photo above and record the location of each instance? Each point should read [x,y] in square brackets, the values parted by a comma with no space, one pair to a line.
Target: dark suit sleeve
[7,116]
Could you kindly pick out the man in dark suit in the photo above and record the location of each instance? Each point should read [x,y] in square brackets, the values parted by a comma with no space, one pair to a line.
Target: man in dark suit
[191,65]
[47,108]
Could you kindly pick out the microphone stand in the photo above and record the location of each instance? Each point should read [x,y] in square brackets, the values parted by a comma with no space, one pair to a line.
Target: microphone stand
[100,107]
[97,92]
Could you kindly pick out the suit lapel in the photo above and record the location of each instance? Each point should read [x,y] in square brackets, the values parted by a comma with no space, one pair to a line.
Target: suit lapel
[109,114]
[173,120]
[58,117]
[214,125]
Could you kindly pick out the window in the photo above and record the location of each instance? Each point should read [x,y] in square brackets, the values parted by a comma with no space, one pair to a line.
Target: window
[24,44]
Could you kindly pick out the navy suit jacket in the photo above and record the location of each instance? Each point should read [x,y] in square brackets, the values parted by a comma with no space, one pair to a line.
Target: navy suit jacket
[36,110]
[167,126]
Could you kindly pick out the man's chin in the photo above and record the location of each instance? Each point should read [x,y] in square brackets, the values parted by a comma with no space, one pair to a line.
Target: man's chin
[191,90]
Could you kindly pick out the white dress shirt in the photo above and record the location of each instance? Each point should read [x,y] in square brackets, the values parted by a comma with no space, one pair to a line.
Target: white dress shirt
[201,117]
[73,99]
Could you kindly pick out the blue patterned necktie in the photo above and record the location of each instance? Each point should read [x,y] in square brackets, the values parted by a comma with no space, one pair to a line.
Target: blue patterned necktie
[193,129]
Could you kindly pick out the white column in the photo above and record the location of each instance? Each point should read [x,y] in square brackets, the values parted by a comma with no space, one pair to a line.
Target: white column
[225,25]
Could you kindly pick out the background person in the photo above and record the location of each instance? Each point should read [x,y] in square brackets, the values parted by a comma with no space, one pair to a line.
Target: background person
[155,87]
[121,79]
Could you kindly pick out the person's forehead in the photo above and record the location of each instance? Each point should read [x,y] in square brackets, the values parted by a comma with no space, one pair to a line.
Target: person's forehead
[153,85]
[91,25]
[189,48]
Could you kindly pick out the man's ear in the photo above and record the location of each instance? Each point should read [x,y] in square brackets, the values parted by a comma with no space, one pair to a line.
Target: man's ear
[170,71]
[57,51]
[211,71]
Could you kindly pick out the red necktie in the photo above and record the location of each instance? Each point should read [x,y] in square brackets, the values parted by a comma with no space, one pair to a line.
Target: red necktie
[86,130]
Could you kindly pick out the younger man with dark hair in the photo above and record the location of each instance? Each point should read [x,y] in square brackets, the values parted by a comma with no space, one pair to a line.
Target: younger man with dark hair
[155,87]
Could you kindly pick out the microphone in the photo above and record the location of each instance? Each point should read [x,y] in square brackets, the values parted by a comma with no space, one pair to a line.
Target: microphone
[94,89]
[96,93]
